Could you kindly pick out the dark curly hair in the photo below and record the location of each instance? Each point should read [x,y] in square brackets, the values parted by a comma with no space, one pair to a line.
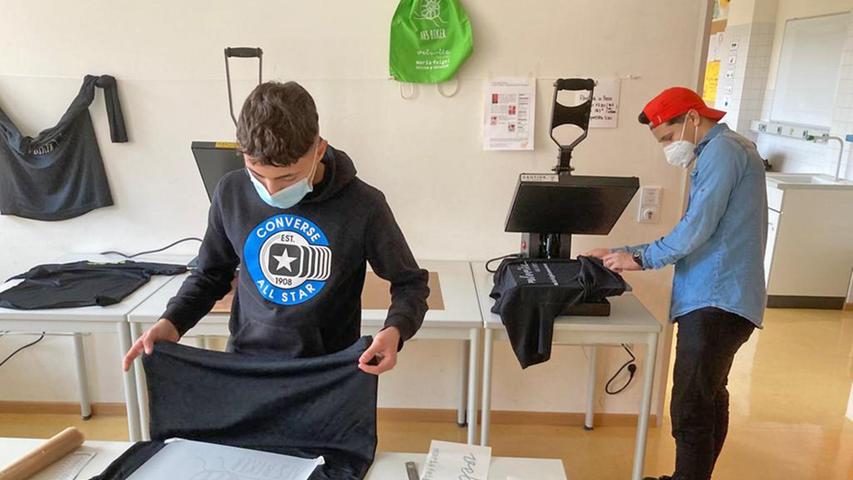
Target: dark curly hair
[278,123]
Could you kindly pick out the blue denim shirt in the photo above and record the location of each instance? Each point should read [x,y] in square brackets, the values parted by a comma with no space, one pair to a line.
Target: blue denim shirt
[718,246]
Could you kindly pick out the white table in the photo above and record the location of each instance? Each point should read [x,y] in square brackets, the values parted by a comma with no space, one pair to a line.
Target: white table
[94,319]
[386,466]
[459,320]
[629,322]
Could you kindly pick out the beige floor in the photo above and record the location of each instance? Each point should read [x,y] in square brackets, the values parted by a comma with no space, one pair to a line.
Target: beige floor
[790,389]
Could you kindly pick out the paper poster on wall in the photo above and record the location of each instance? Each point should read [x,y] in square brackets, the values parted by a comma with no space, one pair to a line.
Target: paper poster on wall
[716,46]
[712,80]
[605,103]
[509,113]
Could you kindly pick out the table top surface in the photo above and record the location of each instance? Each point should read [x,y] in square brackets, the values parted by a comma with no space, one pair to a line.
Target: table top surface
[627,314]
[461,309]
[387,466]
[111,313]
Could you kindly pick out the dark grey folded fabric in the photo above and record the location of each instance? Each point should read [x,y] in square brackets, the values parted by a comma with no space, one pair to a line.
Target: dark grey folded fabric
[305,407]
[81,284]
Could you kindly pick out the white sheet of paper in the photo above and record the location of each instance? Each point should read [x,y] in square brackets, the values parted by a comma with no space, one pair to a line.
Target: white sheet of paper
[67,467]
[509,114]
[605,103]
[454,461]
[189,460]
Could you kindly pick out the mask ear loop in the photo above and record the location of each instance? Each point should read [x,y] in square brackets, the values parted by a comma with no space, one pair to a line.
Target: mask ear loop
[448,95]
[411,95]
[683,129]
[695,131]
[316,162]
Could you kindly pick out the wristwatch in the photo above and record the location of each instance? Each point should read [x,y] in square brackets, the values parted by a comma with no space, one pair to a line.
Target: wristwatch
[638,258]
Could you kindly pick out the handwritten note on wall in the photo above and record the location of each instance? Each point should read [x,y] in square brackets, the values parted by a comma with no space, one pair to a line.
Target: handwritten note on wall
[605,103]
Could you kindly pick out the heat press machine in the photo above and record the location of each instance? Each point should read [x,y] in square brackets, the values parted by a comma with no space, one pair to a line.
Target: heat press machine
[215,159]
[548,208]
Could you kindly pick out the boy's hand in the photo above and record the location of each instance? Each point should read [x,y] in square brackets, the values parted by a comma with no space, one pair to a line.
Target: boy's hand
[384,349]
[598,253]
[620,262]
[162,331]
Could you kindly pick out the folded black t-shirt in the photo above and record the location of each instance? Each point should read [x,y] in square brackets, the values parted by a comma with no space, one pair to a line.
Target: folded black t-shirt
[81,284]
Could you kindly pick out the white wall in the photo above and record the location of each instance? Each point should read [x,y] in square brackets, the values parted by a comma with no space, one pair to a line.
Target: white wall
[449,196]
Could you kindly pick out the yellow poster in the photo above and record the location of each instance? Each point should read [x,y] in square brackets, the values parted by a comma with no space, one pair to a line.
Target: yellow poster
[712,77]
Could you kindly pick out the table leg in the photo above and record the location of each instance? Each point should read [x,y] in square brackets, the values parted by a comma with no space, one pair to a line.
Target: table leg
[590,388]
[130,400]
[461,410]
[473,360]
[645,406]
[141,386]
[488,347]
[82,378]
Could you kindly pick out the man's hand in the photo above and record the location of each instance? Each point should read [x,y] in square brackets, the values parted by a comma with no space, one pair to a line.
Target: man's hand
[598,253]
[620,262]
[384,349]
[162,331]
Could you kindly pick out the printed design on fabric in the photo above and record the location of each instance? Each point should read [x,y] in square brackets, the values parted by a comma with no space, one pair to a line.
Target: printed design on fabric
[430,10]
[45,148]
[288,258]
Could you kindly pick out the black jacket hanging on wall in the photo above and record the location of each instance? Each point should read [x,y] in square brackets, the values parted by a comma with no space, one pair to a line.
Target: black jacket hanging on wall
[530,293]
[304,407]
[59,174]
[81,284]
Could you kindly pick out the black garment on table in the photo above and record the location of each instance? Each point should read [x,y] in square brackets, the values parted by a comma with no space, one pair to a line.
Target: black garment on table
[530,293]
[81,284]
[707,341]
[59,174]
[304,407]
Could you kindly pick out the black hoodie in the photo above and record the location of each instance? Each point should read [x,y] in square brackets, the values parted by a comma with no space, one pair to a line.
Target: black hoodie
[302,269]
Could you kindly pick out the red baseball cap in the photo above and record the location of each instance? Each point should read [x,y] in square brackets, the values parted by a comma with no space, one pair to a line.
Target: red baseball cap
[676,101]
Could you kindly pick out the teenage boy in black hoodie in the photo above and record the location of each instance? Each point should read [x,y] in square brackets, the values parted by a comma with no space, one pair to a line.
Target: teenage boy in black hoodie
[302,228]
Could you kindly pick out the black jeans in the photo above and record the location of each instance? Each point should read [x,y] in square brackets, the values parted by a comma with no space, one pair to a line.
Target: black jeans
[708,339]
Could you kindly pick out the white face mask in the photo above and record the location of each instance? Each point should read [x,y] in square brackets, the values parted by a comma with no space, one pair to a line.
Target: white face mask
[681,153]
[288,196]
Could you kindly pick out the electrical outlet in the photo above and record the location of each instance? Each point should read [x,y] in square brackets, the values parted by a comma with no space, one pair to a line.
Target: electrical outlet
[650,200]
[758,126]
[648,215]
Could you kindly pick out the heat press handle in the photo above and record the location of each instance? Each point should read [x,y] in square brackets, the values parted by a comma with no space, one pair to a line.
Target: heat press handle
[577,115]
[574,84]
[243,52]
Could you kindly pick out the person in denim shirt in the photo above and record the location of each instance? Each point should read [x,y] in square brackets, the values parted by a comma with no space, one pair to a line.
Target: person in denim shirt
[718,293]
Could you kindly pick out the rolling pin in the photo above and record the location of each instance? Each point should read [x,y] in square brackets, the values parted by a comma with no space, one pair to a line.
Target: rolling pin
[42,456]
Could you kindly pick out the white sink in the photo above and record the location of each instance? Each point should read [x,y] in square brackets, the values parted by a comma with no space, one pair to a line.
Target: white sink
[807,179]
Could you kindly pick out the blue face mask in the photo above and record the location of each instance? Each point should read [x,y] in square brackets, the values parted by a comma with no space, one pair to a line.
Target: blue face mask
[289,196]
